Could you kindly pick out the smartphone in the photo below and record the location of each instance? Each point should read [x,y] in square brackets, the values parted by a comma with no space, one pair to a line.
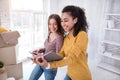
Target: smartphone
[33,53]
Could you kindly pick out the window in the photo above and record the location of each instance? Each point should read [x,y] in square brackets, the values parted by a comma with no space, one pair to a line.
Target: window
[27,5]
[28,17]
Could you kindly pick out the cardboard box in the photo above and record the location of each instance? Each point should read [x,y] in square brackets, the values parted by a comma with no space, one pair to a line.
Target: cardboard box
[9,55]
[15,71]
[9,38]
[3,76]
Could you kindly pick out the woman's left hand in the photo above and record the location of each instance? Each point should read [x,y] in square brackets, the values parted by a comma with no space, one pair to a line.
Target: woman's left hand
[43,63]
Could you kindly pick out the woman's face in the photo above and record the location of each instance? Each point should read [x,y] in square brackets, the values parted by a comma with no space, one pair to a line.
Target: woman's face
[67,22]
[52,25]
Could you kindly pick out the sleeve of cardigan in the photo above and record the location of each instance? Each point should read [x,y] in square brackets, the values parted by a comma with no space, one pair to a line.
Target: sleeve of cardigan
[79,47]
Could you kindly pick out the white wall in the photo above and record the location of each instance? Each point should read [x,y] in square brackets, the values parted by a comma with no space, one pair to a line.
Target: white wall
[95,16]
[56,6]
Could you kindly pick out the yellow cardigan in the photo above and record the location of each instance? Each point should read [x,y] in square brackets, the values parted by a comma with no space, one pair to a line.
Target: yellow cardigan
[74,54]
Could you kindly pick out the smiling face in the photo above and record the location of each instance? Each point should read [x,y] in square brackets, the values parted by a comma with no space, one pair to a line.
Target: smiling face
[68,22]
[52,25]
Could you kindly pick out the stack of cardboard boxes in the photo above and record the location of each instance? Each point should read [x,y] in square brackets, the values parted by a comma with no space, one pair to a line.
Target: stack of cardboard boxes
[9,54]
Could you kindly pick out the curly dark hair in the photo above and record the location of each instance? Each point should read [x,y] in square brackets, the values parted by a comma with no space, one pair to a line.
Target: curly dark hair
[77,12]
[58,20]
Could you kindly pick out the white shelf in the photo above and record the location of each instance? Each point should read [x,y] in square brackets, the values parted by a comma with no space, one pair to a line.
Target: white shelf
[112,29]
[111,55]
[109,67]
[111,42]
[111,60]
[112,14]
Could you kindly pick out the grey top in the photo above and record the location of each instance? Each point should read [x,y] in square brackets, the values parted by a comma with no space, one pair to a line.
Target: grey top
[55,45]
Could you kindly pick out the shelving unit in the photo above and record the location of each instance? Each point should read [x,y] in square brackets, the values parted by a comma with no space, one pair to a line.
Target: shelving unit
[112,29]
[111,43]
[113,14]
[109,68]
[110,55]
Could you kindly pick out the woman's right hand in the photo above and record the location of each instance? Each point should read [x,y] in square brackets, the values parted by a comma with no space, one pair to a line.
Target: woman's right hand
[43,63]
[36,56]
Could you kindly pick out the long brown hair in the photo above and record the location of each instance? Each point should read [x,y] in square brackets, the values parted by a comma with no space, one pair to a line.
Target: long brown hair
[58,20]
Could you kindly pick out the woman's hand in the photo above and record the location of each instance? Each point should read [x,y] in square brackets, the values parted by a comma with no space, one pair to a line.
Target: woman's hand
[43,62]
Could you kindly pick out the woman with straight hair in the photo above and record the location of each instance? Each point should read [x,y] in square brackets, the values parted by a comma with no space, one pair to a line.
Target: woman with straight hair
[52,43]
